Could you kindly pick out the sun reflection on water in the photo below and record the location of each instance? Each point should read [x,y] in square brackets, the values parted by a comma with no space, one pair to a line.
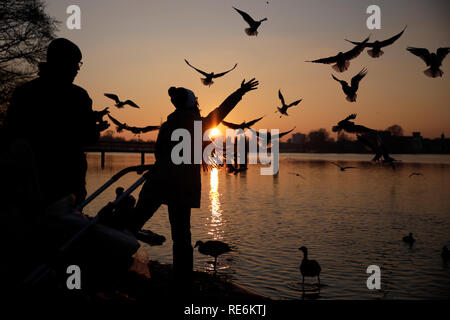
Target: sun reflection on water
[215,222]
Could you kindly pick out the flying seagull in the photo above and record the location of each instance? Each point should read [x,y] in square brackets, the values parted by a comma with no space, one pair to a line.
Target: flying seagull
[120,104]
[207,81]
[285,107]
[243,125]
[350,127]
[375,51]
[269,136]
[341,167]
[135,130]
[254,25]
[350,91]
[433,60]
[342,60]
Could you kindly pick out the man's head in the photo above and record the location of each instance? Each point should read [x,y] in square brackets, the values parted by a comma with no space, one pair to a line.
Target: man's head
[64,58]
[183,98]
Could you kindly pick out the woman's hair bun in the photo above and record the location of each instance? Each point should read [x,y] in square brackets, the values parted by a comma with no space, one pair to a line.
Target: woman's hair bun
[172,91]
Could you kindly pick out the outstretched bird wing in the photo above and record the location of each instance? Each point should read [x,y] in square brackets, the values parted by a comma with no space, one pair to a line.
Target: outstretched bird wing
[246,17]
[224,73]
[198,70]
[422,53]
[149,128]
[391,40]
[442,53]
[112,96]
[281,135]
[356,79]
[383,43]
[351,117]
[131,103]
[328,60]
[251,123]
[338,80]
[356,51]
[231,125]
[295,103]
[115,121]
[281,97]
[336,164]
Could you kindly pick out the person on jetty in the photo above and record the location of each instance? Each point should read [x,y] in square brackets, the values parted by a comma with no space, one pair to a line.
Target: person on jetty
[179,186]
[48,123]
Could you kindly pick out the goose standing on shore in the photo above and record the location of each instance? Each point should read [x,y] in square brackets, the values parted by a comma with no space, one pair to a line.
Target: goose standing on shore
[309,268]
[213,249]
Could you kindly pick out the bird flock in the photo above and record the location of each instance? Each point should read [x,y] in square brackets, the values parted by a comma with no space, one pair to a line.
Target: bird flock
[369,138]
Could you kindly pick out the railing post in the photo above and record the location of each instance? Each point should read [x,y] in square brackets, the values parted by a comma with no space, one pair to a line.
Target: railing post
[142,158]
[103,159]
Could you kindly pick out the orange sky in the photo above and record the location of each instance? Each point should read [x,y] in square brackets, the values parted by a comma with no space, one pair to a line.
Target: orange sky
[136,50]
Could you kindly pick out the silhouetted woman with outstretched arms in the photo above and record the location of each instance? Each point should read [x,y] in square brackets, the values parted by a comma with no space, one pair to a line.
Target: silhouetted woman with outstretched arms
[179,185]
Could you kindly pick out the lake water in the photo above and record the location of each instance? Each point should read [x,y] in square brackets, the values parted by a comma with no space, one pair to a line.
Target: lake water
[347,220]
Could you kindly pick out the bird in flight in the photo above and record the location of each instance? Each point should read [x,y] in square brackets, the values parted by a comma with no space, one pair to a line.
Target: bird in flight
[243,125]
[269,136]
[378,148]
[351,90]
[350,127]
[342,60]
[375,51]
[120,104]
[432,60]
[208,80]
[285,107]
[415,174]
[341,167]
[135,130]
[254,25]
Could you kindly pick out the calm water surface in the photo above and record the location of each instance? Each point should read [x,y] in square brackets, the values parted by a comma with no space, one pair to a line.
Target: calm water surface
[348,220]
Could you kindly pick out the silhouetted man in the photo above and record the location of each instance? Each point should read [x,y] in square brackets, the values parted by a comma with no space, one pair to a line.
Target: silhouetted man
[56,118]
[48,123]
[179,186]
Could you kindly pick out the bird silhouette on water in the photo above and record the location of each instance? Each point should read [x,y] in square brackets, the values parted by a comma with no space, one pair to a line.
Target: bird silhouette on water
[309,268]
[208,80]
[284,106]
[136,130]
[375,47]
[342,59]
[254,25]
[409,239]
[243,125]
[415,174]
[341,167]
[351,90]
[432,60]
[212,248]
[120,104]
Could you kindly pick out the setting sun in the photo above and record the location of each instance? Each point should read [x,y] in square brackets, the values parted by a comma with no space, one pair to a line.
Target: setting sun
[214,132]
